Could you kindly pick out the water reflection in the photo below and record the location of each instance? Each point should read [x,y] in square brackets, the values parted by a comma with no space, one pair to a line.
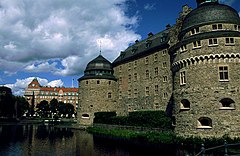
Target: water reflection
[49,140]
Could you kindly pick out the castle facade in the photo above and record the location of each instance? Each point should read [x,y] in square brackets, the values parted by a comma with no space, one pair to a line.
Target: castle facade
[35,93]
[190,69]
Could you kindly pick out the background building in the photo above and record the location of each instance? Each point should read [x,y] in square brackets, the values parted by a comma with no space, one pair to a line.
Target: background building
[37,93]
[191,70]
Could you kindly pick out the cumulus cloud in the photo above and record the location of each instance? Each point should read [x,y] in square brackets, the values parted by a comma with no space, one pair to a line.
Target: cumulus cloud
[43,35]
[18,88]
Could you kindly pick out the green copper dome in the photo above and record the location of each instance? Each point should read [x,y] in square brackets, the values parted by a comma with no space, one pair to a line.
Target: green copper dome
[209,12]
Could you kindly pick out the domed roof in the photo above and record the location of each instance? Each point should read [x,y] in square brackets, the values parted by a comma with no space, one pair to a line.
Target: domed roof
[99,63]
[208,13]
[98,68]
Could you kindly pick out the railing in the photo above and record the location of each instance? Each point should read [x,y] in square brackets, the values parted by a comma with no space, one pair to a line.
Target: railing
[225,146]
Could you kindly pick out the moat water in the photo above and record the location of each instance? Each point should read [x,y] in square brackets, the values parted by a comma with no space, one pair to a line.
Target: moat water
[48,140]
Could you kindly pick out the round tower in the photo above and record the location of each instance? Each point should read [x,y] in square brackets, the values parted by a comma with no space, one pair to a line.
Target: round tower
[97,90]
[206,68]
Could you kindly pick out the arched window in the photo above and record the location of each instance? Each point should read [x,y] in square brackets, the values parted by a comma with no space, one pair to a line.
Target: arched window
[227,103]
[85,116]
[205,123]
[184,104]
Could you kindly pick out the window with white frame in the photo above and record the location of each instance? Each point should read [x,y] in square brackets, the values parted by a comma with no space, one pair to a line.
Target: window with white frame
[217,26]
[183,48]
[197,44]
[223,73]
[195,31]
[230,41]
[213,41]
[182,78]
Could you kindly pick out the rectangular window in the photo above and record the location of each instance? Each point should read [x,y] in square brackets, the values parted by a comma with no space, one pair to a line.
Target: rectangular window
[165,78]
[135,64]
[129,93]
[147,91]
[212,42]
[120,80]
[155,57]
[164,64]
[182,78]
[194,31]
[197,44]
[156,71]
[165,95]
[146,60]
[230,41]
[129,66]
[156,89]
[183,48]
[217,26]
[164,52]
[147,74]
[135,93]
[129,78]
[223,73]
[135,77]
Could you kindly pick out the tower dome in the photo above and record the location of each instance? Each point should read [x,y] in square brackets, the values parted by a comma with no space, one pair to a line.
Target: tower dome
[99,67]
[208,12]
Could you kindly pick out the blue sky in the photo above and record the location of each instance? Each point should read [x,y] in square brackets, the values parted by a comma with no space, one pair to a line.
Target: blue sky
[54,40]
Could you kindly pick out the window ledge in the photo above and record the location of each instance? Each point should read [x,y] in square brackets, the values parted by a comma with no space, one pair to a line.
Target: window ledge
[223,80]
[204,127]
[197,47]
[226,108]
[230,44]
[213,45]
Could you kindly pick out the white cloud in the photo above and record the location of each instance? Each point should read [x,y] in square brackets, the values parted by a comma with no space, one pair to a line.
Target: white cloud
[18,88]
[149,6]
[34,31]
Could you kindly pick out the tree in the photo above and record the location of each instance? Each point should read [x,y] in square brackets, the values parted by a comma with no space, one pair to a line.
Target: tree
[21,105]
[6,105]
[43,108]
[69,109]
[54,106]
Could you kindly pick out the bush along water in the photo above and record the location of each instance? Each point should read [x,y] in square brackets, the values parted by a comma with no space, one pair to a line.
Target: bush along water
[151,119]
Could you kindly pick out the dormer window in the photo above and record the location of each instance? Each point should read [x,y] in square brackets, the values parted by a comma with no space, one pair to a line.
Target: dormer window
[217,26]
[148,44]
[237,27]
[195,31]
[134,50]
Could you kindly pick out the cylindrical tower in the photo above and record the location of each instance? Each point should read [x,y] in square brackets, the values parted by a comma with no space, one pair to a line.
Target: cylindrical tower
[97,90]
[206,68]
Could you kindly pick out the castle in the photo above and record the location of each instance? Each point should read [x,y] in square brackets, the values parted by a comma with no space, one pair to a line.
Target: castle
[190,69]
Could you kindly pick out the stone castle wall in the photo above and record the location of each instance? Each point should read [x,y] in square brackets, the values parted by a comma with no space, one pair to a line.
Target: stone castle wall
[145,83]
[96,95]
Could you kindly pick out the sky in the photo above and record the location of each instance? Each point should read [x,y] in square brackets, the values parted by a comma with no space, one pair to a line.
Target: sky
[53,40]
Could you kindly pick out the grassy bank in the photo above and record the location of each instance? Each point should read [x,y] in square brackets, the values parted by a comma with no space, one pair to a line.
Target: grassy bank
[164,138]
